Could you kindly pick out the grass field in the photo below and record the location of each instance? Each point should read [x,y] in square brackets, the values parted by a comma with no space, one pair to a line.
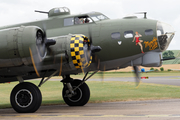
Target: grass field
[102,91]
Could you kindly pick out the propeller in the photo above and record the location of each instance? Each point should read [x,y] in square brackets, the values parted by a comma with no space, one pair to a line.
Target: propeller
[94,49]
[96,59]
[82,51]
[48,42]
[38,51]
[136,71]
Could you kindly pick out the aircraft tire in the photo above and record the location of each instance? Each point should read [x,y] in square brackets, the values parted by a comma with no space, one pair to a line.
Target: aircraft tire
[81,97]
[26,98]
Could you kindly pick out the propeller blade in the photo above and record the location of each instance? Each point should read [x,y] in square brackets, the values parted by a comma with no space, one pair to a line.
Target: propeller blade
[102,73]
[90,34]
[38,51]
[86,58]
[96,60]
[48,42]
[40,44]
[136,71]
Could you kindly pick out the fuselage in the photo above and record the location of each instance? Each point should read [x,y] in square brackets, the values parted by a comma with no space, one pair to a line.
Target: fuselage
[125,42]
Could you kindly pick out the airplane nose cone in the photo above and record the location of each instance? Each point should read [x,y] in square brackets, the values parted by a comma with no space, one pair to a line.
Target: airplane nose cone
[165,34]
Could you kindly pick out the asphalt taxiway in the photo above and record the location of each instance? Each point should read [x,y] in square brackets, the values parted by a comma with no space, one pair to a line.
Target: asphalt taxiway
[166,80]
[131,110]
[141,110]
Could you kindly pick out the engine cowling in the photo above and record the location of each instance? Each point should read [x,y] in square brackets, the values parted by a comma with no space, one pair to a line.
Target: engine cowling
[80,51]
[75,51]
[15,44]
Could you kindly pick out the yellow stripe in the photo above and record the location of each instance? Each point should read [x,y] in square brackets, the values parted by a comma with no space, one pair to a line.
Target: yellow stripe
[33,63]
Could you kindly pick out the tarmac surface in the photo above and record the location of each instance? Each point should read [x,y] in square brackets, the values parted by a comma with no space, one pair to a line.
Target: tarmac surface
[141,110]
[131,110]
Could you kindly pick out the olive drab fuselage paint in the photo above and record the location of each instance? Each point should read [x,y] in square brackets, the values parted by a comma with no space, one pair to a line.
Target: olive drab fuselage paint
[119,43]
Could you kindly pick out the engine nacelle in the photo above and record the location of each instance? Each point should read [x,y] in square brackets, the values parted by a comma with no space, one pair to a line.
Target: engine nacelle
[74,50]
[15,44]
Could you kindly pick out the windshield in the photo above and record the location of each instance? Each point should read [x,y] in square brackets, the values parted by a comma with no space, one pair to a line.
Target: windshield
[99,17]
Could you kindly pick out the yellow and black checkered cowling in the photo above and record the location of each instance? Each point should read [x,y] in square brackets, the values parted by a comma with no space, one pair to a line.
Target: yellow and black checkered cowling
[79,54]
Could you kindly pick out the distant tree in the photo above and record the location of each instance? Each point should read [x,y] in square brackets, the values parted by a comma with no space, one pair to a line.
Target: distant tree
[165,54]
[152,69]
[162,69]
[169,70]
[168,54]
[171,54]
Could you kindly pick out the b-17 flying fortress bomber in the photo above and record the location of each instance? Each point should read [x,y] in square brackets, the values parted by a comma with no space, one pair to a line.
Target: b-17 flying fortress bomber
[66,44]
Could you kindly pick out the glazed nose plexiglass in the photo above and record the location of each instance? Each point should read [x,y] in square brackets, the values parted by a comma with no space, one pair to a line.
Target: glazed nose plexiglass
[165,34]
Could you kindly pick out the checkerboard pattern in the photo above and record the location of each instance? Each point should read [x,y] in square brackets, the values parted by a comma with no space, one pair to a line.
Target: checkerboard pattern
[77,52]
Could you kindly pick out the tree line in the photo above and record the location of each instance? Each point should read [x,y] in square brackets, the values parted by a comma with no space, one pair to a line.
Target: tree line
[168,54]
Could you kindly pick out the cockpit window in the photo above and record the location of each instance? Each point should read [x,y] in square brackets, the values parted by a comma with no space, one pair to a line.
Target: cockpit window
[98,17]
[77,20]
[82,20]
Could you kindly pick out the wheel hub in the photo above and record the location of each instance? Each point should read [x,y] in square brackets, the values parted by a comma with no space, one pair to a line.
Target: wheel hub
[76,96]
[23,98]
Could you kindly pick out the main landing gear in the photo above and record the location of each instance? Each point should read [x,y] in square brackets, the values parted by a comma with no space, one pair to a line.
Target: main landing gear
[26,97]
[76,92]
[77,97]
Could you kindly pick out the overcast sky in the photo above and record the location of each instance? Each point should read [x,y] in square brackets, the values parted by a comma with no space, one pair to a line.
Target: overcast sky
[168,11]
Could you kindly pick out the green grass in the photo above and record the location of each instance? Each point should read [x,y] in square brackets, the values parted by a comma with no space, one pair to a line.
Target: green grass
[126,91]
[100,92]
